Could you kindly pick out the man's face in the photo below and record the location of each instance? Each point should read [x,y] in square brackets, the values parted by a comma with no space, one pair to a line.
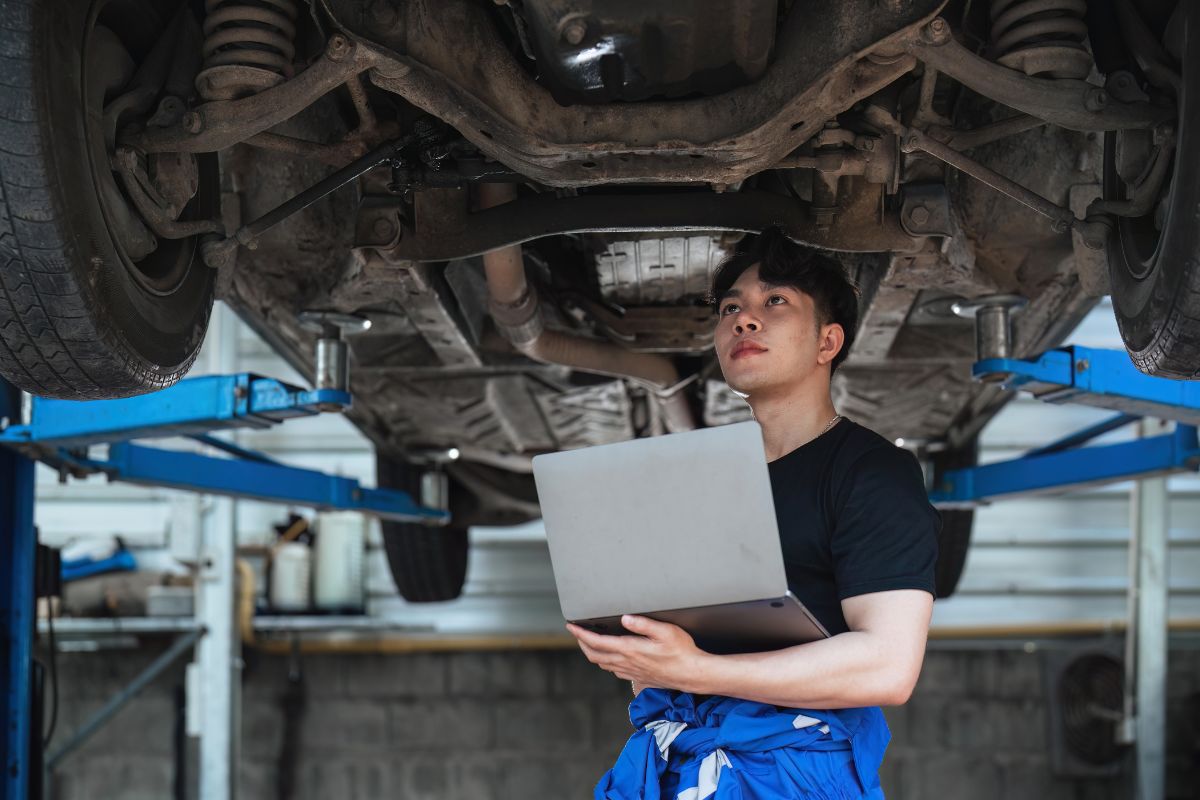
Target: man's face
[767,337]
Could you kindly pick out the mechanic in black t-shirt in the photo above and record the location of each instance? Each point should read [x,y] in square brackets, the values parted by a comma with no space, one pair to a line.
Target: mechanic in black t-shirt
[858,533]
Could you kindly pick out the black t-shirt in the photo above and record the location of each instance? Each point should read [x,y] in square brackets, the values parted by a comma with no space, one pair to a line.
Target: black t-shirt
[854,518]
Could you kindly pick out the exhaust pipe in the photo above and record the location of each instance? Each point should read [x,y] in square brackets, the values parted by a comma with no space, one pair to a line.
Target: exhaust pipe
[514,306]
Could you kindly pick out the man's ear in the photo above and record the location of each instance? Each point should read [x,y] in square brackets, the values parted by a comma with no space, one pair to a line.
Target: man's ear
[832,338]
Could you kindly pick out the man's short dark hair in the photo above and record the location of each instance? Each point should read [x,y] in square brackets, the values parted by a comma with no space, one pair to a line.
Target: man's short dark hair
[783,262]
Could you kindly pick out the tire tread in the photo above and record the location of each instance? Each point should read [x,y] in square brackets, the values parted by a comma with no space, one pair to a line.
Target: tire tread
[427,564]
[1175,351]
[54,340]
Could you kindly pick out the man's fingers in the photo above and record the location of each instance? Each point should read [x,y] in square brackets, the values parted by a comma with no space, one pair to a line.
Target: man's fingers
[586,637]
[601,642]
[599,659]
[650,628]
[606,661]
[644,627]
[589,651]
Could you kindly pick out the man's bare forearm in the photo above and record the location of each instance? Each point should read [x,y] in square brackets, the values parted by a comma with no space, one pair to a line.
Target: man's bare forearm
[845,671]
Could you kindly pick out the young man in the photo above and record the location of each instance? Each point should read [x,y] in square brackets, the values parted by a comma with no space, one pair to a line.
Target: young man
[859,544]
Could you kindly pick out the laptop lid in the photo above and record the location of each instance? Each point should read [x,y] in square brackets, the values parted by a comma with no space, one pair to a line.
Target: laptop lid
[669,522]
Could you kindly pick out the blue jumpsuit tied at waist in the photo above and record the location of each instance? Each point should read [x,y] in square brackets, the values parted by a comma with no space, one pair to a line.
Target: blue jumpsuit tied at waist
[731,749]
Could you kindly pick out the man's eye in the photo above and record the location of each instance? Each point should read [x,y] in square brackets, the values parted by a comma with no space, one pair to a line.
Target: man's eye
[727,309]
[775,297]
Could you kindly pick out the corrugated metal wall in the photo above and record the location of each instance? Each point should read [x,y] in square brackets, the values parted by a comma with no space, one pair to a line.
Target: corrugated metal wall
[1034,561]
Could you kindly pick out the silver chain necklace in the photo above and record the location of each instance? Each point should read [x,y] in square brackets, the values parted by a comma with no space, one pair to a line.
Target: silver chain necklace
[830,424]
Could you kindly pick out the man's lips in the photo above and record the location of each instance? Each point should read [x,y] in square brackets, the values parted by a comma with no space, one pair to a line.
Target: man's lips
[747,349]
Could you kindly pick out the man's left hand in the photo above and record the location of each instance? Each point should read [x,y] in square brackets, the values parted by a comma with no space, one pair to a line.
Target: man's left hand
[659,655]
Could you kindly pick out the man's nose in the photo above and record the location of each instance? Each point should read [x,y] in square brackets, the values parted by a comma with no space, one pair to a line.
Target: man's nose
[744,324]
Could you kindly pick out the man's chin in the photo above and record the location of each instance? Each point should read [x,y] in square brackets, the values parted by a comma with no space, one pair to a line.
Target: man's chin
[748,386]
[761,382]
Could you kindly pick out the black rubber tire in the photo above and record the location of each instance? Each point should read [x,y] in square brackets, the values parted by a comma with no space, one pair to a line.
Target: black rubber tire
[953,543]
[428,564]
[1156,276]
[77,320]
[954,539]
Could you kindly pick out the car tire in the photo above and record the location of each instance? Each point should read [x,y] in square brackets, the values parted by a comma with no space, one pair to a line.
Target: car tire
[1155,274]
[954,539]
[953,543]
[79,318]
[428,564]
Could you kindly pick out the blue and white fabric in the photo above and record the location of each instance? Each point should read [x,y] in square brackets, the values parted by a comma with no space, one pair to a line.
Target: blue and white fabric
[729,749]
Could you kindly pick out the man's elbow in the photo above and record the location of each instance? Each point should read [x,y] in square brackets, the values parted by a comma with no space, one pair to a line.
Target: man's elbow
[899,689]
[898,696]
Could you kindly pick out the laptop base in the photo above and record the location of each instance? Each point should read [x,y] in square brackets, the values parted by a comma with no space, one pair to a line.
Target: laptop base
[754,626]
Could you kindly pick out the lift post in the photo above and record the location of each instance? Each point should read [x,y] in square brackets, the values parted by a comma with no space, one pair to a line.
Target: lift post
[17,608]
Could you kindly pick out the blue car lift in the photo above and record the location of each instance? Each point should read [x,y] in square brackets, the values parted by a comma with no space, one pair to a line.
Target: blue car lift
[1084,376]
[60,433]
[1104,379]
[195,408]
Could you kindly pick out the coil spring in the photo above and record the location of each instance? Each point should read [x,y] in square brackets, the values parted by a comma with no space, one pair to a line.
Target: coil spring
[1041,37]
[248,47]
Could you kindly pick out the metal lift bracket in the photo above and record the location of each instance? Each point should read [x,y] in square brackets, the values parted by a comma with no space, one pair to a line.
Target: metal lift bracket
[59,431]
[1100,378]
[191,407]
[257,480]
[1093,377]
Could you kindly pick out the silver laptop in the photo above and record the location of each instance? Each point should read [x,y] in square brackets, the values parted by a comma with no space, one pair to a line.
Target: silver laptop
[680,528]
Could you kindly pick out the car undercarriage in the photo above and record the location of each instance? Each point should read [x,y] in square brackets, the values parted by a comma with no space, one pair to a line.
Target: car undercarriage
[326,160]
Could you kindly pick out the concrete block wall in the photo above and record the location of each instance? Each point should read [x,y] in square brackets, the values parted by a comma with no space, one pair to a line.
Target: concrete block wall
[546,724]
[426,726]
[977,727]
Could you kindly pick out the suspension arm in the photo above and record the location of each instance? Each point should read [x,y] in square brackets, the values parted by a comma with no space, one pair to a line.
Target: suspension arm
[224,123]
[1093,231]
[218,252]
[1072,104]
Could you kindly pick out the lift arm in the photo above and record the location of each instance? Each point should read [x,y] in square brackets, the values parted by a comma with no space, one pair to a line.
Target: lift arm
[58,430]
[257,480]
[1093,377]
[1070,468]
[1085,376]
[190,407]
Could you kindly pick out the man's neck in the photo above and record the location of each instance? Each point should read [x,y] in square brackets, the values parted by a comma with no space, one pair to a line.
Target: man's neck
[792,417]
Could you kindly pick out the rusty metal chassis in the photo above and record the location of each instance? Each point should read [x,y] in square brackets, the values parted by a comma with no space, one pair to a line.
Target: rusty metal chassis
[445,57]
[441,228]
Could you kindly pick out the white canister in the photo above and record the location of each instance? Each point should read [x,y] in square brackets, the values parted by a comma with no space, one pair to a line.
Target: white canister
[340,543]
[291,570]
